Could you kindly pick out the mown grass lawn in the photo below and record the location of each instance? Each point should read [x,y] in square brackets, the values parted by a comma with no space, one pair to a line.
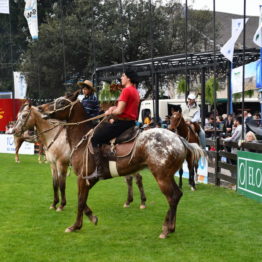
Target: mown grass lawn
[213,224]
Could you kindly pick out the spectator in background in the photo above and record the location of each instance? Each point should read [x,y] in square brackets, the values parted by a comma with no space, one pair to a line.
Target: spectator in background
[228,125]
[166,122]
[250,137]
[247,119]
[147,118]
[237,134]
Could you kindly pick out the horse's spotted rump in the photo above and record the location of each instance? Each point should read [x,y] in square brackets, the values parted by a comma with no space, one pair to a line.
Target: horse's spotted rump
[160,144]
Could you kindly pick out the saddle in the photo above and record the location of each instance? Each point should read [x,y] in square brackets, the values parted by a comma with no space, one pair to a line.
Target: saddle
[121,146]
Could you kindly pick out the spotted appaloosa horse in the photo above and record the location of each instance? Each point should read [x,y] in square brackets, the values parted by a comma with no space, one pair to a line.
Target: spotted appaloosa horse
[161,150]
[57,149]
[178,124]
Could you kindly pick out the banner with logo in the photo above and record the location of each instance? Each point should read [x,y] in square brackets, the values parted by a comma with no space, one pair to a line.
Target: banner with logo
[7,145]
[252,77]
[4,7]
[249,174]
[30,14]
[20,85]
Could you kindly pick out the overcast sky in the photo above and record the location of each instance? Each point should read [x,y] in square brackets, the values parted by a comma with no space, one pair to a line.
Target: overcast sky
[228,6]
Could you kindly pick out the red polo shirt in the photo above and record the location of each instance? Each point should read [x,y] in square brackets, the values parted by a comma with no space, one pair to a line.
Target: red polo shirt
[130,95]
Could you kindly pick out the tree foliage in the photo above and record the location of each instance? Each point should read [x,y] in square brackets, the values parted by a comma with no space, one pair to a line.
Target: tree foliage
[77,36]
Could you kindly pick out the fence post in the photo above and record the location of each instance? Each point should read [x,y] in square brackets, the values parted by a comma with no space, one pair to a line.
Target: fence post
[217,168]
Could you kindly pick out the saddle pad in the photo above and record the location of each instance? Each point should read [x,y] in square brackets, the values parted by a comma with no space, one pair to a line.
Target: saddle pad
[113,169]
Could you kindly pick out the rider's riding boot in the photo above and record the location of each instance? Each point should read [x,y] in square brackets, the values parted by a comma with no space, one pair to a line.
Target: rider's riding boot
[98,173]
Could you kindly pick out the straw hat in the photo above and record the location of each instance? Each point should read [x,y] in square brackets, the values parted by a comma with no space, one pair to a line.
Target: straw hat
[86,83]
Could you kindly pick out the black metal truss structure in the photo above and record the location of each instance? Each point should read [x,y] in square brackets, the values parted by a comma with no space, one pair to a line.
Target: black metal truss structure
[176,64]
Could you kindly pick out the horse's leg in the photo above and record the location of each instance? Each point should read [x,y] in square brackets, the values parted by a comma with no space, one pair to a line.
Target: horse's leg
[173,194]
[139,182]
[129,182]
[62,172]
[180,178]
[18,144]
[88,212]
[192,178]
[40,153]
[83,191]
[55,186]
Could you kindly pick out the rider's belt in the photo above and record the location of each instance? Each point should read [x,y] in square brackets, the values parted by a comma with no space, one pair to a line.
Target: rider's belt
[123,118]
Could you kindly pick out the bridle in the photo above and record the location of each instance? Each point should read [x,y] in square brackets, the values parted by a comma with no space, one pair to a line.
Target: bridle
[176,126]
[25,122]
[71,105]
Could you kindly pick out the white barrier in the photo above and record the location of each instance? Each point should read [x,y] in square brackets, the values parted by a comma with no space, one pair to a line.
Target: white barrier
[7,145]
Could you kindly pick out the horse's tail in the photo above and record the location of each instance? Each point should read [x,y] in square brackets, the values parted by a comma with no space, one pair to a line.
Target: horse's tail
[194,152]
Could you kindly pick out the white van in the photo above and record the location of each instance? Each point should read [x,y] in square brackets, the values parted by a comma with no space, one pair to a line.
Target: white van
[165,107]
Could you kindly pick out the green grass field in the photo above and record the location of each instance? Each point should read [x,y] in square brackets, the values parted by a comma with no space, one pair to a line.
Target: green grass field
[213,224]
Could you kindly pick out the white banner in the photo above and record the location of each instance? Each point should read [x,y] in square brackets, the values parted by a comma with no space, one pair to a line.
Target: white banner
[30,14]
[257,39]
[7,145]
[4,6]
[228,49]
[20,85]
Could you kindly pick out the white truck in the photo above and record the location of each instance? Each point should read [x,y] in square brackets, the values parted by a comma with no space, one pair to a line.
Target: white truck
[165,107]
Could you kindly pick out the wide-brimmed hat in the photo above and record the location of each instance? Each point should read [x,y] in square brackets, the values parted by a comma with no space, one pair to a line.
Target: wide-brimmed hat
[86,83]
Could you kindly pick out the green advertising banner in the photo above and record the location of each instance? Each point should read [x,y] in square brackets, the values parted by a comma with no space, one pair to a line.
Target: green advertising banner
[249,174]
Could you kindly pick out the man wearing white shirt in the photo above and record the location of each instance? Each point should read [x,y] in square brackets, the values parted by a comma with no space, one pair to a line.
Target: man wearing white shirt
[191,113]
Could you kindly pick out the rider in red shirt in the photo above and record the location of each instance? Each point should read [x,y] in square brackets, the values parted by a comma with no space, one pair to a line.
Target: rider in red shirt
[125,113]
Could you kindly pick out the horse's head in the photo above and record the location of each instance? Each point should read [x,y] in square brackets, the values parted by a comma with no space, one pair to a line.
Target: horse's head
[175,120]
[24,119]
[60,108]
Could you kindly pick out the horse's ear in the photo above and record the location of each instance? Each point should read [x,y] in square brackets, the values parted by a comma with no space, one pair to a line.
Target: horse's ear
[74,95]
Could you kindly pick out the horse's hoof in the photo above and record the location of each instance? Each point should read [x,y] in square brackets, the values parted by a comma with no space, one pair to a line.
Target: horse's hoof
[126,205]
[17,162]
[52,207]
[142,206]
[193,188]
[94,220]
[69,230]
[59,209]
[162,236]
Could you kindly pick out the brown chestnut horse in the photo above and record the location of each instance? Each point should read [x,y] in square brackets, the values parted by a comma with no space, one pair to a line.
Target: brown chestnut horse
[161,150]
[178,124]
[57,150]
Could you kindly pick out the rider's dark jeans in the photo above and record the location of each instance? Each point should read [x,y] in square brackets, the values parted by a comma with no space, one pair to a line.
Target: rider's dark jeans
[107,131]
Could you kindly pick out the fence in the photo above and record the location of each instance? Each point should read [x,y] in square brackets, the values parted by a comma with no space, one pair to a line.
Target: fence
[223,161]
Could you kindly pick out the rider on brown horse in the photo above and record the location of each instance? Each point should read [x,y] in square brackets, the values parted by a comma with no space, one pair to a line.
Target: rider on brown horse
[126,112]
[191,114]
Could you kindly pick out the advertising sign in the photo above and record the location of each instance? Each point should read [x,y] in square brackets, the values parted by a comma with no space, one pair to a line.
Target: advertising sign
[8,111]
[252,77]
[7,145]
[201,171]
[249,174]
